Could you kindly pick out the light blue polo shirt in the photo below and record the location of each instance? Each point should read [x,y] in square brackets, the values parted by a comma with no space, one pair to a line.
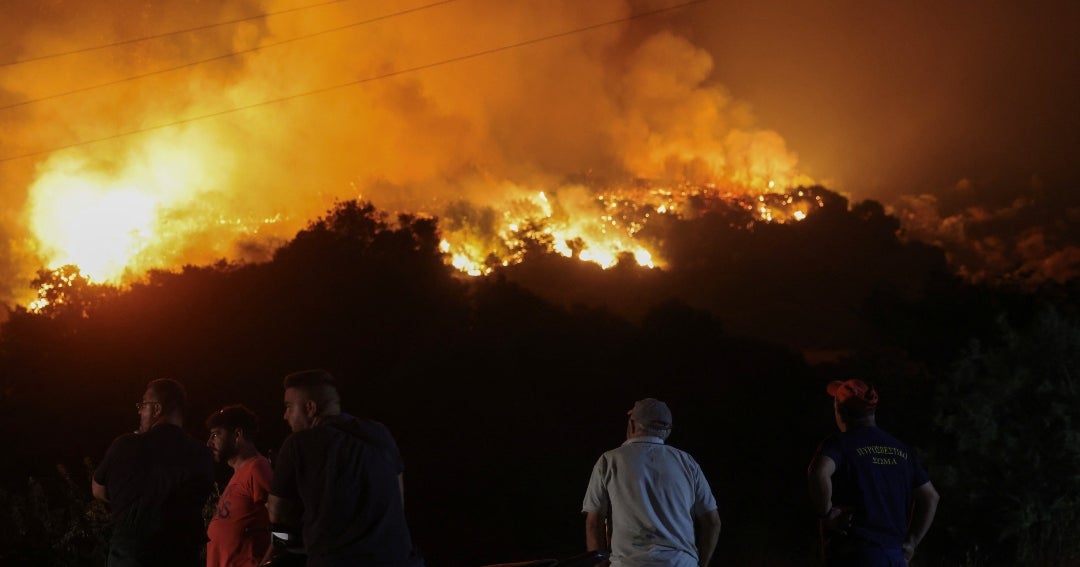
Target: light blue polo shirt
[654,492]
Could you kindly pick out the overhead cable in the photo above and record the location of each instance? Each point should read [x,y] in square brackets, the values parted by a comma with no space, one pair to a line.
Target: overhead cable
[329,88]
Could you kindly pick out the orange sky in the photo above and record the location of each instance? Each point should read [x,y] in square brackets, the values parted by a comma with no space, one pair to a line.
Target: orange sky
[888,98]
[877,100]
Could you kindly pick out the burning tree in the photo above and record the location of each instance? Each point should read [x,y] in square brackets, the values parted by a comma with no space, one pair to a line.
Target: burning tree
[66,292]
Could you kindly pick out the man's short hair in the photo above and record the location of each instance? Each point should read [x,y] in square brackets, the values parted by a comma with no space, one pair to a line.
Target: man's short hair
[170,394]
[235,416]
[317,385]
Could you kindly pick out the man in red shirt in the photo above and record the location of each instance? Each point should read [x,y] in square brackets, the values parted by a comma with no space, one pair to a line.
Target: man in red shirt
[239,532]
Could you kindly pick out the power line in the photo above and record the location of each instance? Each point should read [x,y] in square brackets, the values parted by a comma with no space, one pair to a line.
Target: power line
[356,82]
[167,34]
[226,55]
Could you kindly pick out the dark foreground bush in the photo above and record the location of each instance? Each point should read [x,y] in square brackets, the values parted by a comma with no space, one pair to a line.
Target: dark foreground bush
[53,521]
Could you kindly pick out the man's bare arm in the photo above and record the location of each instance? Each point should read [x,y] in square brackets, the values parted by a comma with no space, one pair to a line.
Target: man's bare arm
[595,532]
[924,507]
[819,479]
[283,511]
[708,533]
[99,491]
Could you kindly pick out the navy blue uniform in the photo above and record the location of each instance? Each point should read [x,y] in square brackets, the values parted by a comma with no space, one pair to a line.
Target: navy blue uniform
[874,479]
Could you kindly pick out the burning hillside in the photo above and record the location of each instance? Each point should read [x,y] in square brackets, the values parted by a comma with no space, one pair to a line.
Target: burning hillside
[598,226]
[130,154]
[145,136]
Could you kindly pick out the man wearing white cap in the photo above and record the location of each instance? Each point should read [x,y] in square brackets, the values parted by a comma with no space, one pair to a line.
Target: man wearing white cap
[644,497]
[873,498]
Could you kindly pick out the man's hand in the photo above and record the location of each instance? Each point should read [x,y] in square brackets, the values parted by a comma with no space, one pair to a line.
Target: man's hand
[99,491]
[909,551]
[268,557]
[837,520]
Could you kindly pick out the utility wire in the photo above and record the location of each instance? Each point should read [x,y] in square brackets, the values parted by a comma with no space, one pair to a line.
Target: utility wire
[226,55]
[356,82]
[166,34]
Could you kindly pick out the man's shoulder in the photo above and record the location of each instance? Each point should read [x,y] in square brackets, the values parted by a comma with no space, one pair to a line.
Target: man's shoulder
[874,434]
[299,438]
[122,449]
[171,433]
[367,424]
[362,429]
[628,449]
[831,440]
[257,465]
[365,429]
[683,457]
[889,436]
[127,440]
[170,442]
[854,439]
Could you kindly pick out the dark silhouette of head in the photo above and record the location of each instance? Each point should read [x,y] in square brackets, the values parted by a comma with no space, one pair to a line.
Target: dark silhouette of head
[170,394]
[310,395]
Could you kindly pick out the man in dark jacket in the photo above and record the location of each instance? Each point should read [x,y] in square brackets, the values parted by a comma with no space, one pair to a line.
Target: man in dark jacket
[156,481]
[338,479]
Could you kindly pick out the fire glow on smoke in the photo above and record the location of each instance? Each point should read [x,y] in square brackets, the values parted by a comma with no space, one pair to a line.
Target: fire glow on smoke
[243,136]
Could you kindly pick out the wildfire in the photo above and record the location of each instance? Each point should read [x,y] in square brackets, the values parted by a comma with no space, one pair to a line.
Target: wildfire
[563,226]
[112,226]
[117,220]
[98,227]
[190,150]
[601,231]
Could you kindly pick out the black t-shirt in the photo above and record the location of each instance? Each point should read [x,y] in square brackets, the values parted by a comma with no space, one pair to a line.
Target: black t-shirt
[875,475]
[157,484]
[344,472]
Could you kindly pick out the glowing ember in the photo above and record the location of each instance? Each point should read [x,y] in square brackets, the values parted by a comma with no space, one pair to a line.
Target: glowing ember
[601,228]
[570,223]
[65,277]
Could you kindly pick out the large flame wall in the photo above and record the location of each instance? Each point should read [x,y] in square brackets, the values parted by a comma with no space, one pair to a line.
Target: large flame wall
[415,111]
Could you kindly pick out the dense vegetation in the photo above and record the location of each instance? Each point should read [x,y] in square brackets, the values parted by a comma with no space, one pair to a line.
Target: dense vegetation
[502,391]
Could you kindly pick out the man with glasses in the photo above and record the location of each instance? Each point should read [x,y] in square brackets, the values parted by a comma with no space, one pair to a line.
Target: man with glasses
[156,481]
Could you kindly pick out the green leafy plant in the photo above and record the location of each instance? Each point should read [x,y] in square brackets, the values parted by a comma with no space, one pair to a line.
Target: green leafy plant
[1008,459]
[53,521]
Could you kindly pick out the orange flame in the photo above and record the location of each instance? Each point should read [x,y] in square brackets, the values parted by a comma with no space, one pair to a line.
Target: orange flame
[242,135]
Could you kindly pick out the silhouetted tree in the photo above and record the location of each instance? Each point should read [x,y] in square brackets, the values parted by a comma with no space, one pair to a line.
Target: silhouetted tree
[66,292]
